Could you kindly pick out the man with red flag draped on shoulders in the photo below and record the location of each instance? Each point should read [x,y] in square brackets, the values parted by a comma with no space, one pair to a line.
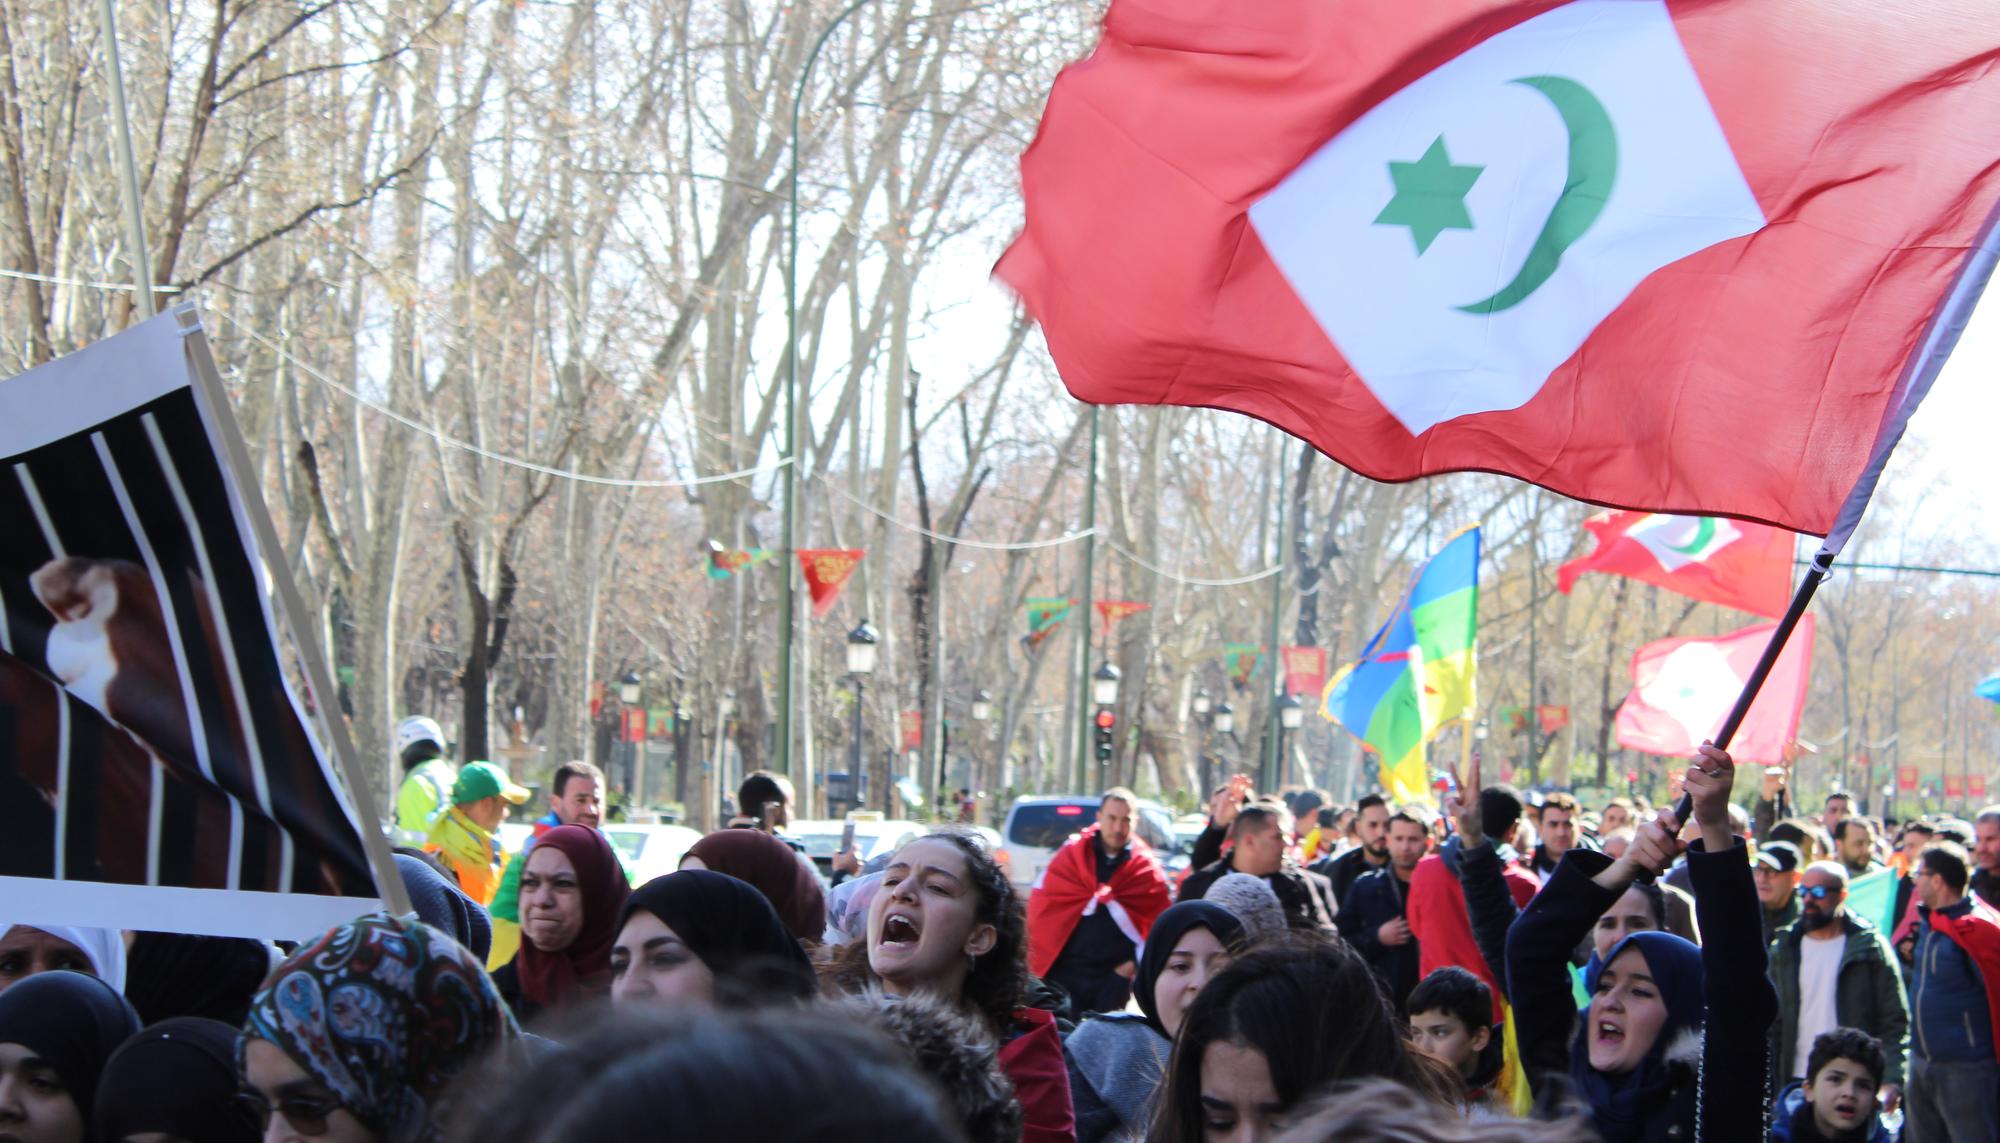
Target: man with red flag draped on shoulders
[1092,908]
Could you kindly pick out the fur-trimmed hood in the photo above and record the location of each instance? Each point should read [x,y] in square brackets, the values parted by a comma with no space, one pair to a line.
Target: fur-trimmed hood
[955,1051]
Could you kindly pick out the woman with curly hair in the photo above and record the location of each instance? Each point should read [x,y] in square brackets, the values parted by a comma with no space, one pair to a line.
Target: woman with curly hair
[947,922]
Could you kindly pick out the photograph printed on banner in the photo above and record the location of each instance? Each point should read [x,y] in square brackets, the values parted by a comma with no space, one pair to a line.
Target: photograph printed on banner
[147,737]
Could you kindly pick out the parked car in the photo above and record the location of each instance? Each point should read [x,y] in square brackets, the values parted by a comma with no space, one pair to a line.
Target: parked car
[873,837]
[1038,826]
[651,850]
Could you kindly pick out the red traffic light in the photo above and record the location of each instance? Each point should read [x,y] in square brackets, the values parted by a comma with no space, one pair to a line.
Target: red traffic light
[1106,720]
[1631,775]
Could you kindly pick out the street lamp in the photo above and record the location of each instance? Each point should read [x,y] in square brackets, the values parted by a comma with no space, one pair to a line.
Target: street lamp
[982,706]
[1202,703]
[861,648]
[1225,719]
[1104,686]
[1291,716]
[628,696]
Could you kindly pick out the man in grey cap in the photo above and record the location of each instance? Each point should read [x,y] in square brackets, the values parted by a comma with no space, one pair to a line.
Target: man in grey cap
[1777,874]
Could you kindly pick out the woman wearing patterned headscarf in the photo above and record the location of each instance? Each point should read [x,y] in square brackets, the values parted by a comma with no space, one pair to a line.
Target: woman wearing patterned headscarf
[572,893]
[358,1037]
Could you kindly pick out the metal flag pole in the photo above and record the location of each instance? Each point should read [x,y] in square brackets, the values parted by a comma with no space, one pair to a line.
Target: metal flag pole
[1083,625]
[135,221]
[1274,766]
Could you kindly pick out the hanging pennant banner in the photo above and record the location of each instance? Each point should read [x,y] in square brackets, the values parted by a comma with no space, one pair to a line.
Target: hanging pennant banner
[1954,787]
[725,562]
[1240,661]
[1045,614]
[1975,786]
[1552,718]
[632,726]
[1906,779]
[157,771]
[826,571]
[911,722]
[1305,669]
[1110,611]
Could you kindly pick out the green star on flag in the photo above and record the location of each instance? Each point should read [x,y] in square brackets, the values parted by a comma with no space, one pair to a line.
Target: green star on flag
[1430,196]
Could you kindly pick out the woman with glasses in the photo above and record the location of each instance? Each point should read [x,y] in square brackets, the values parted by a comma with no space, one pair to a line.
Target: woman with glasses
[358,1037]
[56,1031]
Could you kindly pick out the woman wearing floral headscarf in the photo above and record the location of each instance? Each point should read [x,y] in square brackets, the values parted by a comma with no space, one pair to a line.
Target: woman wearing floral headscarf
[358,1037]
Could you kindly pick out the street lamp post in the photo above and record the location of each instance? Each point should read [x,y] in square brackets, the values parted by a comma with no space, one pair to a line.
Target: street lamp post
[1291,716]
[628,697]
[982,713]
[1104,695]
[861,649]
[1224,722]
[1203,706]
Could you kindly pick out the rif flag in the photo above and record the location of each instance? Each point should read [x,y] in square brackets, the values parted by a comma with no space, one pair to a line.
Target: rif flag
[1670,257]
[1419,671]
[1682,689]
[1730,562]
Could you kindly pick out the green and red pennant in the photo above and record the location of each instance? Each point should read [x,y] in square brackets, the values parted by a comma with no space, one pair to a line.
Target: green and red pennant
[1045,614]
[1730,562]
[1240,660]
[1676,257]
[826,571]
[725,562]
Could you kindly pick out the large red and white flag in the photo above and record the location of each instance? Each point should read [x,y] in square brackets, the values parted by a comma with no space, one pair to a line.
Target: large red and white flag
[1735,564]
[1665,256]
[1682,689]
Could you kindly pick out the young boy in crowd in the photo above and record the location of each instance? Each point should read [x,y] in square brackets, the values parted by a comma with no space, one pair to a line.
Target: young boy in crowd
[1451,1020]
[1836,1101]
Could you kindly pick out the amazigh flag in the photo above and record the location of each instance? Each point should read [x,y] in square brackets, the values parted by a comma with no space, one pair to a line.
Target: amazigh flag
[1672,257]
[1045,614]
[1239,661]
[1420,670]
[1110,611]
[826,571]
[1682,689]
[1735,564]
[725,562]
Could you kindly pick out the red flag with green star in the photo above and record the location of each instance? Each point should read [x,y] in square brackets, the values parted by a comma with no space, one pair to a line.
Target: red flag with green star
[1735,564]
[1670,256]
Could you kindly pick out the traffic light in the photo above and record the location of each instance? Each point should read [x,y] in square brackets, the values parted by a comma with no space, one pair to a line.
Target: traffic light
[1107,722]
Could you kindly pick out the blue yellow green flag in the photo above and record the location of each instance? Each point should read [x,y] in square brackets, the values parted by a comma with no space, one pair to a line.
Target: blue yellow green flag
[1420,670]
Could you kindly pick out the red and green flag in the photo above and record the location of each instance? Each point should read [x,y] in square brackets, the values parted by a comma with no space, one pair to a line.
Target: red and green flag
[1730,562]
[725,562]
[1419,672]
[1677,257]
[1045,614]
[1683,688]
[1240,661]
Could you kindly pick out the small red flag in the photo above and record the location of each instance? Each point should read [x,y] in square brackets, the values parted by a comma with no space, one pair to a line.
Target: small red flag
[1682,689]
[1976,786]
[826,571]
[1730,562]
[1112,610]
[1906,779]
[1954,787]
[911,722]
[1305,670]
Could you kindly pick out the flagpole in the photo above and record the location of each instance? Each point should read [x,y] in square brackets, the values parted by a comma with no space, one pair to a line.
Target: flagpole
[1822,564]
[135,219]
[1274,736]
[1082,730]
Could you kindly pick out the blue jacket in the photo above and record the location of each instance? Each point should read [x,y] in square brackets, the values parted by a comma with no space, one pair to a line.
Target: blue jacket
[1375,899]
[1793,1121]
[1949,1017]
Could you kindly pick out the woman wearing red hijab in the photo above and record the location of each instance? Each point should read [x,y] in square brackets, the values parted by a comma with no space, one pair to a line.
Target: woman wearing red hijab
[783,876]
[572,892]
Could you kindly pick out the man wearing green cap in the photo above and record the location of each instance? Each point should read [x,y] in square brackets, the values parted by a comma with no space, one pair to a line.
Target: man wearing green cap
[465,836]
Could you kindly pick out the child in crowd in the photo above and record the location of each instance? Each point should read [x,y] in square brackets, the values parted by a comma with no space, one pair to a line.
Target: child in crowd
[1836,1101]
[1451,1021]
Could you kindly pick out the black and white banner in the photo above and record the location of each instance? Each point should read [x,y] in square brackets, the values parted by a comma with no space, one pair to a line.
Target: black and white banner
[156,771]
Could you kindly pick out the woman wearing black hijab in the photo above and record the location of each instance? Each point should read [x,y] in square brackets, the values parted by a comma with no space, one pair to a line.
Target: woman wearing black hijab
[703,937]
[176,1079]
[57,1029]
[1116,1060]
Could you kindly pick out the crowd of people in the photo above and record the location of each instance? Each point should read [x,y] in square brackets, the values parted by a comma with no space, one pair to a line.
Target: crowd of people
[1499,970]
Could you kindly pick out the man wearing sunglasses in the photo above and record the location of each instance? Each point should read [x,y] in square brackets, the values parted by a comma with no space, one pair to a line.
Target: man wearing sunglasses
[1835,970]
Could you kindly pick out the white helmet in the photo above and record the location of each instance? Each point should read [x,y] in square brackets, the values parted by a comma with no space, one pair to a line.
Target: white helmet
[419,729]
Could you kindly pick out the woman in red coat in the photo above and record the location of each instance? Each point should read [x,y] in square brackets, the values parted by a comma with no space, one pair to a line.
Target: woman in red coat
[947,922]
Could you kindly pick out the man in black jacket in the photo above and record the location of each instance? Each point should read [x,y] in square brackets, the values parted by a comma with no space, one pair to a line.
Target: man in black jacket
[1373,918]
[1371,826]
[1258,834]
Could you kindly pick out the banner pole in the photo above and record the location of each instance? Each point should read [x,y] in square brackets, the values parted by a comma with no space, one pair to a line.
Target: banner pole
[135,219]
[1822,564]
[208,388]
